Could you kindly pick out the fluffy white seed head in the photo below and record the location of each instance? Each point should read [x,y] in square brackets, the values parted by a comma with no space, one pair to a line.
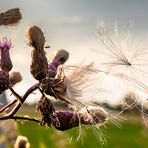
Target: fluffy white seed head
[93,114]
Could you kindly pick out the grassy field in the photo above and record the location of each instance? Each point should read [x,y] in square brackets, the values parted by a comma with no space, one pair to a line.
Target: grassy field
[131,134]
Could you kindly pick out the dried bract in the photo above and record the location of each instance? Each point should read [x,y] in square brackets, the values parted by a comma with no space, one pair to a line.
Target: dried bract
[56,87]
[46,108]
[11,17]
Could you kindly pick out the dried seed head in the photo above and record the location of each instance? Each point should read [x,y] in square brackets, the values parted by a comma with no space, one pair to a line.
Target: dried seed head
[4,81]
[11,17]
[130,100]
[15,77]
[87,116]
[56,87]
[21,142]
[36,37]
[61,56]
[53,86]
[39,65]
[93,115]
[46,108]
[6,63]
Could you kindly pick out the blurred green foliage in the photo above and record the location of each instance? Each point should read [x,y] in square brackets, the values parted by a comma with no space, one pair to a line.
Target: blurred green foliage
[130,135]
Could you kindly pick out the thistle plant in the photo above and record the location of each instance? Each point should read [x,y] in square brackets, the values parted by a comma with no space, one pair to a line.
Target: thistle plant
[75,88]
[6,66]
[90,115]
[53,82]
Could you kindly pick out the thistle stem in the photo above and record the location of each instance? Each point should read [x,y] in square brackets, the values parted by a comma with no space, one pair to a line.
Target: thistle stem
[25,118]
[11,114]
[16,94]
[8,105]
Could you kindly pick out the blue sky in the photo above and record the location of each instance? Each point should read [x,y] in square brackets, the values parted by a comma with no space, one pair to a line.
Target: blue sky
[69,24]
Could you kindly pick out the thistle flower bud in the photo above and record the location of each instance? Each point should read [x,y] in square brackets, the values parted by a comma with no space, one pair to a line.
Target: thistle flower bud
[6,63]
[87,116]
[67,120]
[4,81]
[60,58]
[39,65]
[15,77]
[21,142]
[11,17]
[46,108]
[52,68]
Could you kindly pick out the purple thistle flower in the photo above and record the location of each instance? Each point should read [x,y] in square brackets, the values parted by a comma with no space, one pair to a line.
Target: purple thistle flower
[60,58]
[52,68]
[66,120]
[88,116]
[5,45]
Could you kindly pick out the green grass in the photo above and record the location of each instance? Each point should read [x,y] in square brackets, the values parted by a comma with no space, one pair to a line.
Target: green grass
[132,134]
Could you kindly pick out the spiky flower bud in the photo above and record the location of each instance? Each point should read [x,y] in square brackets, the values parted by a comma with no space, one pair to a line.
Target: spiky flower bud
[11,17]
[46,108]
[52,68]
[4,81]
[87,116]
[39,65]
[60,58]
[6,63]
[67,120]
[15,77]
[21,142]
